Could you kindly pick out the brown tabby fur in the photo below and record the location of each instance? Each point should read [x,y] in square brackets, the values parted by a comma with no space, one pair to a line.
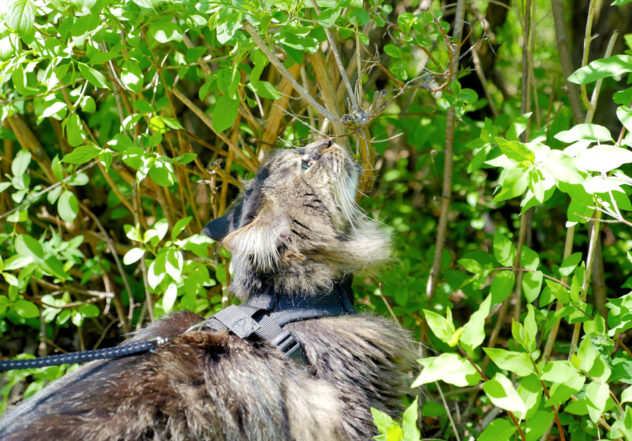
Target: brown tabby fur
[295,229]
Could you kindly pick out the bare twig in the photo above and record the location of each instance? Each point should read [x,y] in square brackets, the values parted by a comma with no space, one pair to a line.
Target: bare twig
[110,244]
[207,121]
[304,94]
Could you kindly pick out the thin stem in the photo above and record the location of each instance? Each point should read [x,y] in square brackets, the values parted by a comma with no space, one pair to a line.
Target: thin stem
[589,264]
[446,195]
[587,40]
[447,411]
[568,249]
[592,106]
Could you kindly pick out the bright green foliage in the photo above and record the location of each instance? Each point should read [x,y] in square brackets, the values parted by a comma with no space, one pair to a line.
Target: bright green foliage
[390,430]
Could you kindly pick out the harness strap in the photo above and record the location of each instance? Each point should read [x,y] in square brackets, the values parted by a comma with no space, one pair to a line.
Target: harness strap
[239,320]
[265,313]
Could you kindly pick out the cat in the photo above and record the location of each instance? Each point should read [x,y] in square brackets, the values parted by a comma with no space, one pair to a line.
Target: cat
[297,233]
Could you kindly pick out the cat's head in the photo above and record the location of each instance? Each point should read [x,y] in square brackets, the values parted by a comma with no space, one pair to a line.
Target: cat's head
[296,225]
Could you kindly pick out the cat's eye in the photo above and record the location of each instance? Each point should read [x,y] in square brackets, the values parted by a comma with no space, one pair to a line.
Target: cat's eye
[306,163]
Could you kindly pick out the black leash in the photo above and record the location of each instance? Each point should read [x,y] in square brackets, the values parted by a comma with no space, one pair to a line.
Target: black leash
[263,315]
[83,356]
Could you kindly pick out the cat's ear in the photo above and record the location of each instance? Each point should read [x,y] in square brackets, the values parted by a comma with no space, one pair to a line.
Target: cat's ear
[219,228]
[260,238]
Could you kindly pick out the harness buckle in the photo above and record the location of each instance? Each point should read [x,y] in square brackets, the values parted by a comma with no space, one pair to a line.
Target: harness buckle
[288,345]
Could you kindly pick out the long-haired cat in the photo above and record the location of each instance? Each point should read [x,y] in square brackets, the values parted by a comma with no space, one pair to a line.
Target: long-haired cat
[295,232]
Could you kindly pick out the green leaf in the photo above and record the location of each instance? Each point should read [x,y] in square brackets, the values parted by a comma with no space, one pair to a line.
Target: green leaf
[74,130]
[89,310]
[267,90]
[28,246]
[558,291]
[409,422]
[502,394]
[562,167]
[529,259]
[156,272]
[588,132]
[624,113]
[81,154]
[532,284]
[392,50]
[504,251]
[405,22]
[53,108]
[626,395]
[93,76]
[474,330]
[162,174]
[180,226]
[20,163]
[16,262]
[132,76]
[133,256]
[440,326]
[502,285]
[558,371]
[224,113]
[569,264]
[471,265]
[518,126]
[603,158]
[515,150]
[597,396]
[450,368]
[228,23]
[26,309]
[171,294]
[382,421]
[531,329]
[538,424]
[517,362]
[132,233]
[328,17]
[67,206]
[198,244]
[513,181]
[602,68]
[498,430]
[586,355]
[530,390]
[20,16]
[165,30]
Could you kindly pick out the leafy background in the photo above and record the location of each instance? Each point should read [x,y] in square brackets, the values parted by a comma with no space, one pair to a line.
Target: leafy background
[494,138]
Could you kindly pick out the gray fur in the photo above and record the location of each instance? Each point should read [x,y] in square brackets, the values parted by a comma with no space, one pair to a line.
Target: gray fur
[296,230]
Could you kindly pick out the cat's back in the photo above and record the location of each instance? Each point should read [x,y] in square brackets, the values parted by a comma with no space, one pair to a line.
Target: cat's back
[216,386]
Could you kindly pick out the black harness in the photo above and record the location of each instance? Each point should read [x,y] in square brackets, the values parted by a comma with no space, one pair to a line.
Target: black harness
[265,314]
[262,316]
